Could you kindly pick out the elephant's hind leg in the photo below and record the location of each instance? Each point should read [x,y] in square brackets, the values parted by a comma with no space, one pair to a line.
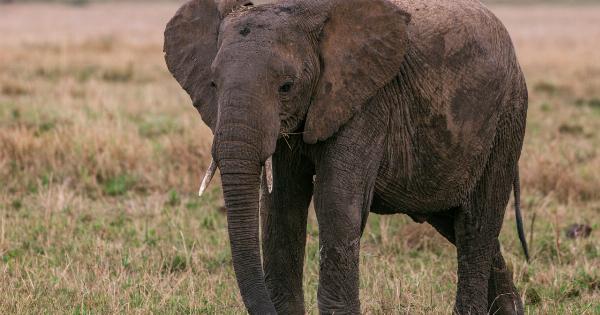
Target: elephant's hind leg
[503,297]
[478,222]
[476,227]
[284,213]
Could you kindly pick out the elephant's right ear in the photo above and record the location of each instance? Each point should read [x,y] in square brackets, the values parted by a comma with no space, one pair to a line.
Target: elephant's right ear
[362,46]
[190,47]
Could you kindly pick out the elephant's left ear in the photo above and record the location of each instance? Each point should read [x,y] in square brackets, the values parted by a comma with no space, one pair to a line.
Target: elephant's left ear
[362,46]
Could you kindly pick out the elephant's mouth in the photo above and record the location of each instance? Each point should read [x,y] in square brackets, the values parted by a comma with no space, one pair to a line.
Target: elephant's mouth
[290,125]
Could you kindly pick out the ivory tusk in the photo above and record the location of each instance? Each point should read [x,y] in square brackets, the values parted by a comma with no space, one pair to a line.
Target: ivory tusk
[208,177]
[269,173]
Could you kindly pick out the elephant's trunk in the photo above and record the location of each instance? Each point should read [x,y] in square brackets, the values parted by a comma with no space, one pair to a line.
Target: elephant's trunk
[240,167]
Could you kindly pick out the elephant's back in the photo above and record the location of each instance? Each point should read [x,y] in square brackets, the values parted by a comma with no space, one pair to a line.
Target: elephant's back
[458,67]
[445,30]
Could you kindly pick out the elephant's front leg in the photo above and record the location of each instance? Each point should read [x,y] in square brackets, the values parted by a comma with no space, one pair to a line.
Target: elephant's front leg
[342,199]
[284,213]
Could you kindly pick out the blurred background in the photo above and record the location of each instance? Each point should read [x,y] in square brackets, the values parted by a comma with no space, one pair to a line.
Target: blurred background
[101,155]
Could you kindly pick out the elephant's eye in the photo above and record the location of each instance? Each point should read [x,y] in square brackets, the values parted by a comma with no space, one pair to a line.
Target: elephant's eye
[286,87]
[213,84]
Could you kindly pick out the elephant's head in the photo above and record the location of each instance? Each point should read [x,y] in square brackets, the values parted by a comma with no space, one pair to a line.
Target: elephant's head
[255,72]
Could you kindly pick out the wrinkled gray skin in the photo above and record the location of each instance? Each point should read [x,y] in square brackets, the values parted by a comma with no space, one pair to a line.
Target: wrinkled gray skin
[414,107]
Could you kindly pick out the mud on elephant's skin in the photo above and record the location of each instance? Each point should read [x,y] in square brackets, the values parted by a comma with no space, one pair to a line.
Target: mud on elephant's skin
[414,107]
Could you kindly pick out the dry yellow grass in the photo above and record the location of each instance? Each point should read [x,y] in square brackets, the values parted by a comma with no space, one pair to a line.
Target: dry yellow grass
[101,154]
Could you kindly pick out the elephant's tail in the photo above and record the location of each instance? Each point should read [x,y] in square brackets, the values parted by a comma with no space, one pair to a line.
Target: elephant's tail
[519,218]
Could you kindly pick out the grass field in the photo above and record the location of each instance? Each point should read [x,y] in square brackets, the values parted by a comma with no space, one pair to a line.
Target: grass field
[101,154]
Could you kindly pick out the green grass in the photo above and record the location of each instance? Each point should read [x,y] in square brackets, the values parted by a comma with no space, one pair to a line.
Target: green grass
[163,254]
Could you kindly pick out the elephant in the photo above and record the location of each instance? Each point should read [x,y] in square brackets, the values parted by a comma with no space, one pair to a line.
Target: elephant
[383,106]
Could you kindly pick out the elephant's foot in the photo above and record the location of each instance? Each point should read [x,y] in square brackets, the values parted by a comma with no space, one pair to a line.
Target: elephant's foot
[290,307]
[332,309]
[474,266]
[338,280]
[469,308]
[287,298]
[503,298]
[506,303]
